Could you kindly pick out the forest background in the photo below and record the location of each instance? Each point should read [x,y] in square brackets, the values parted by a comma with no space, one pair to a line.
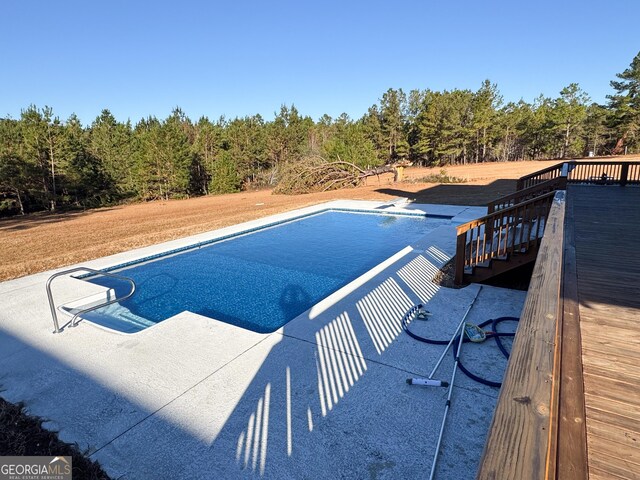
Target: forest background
[48,164]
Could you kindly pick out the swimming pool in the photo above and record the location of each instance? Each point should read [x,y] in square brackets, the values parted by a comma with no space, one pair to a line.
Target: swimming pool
[262,279]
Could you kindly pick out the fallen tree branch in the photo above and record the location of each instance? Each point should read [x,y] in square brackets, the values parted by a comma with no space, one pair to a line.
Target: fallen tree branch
[315,174]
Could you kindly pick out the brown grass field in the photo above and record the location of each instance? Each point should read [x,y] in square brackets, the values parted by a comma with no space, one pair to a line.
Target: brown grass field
[40,242]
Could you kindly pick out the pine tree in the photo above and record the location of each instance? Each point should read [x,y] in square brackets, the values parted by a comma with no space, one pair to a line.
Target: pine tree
[17,177]
[40,132]
[595,132]
[110,141]
[485,103]
[350,144]
[176,155]
[84,181]
[392,121]
[207,146]
[624,106]
[372,124]
[246,143]
[224,176]
[570,111]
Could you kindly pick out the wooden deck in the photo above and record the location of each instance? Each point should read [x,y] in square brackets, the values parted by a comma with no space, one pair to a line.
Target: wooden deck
[569,407]
[606,222]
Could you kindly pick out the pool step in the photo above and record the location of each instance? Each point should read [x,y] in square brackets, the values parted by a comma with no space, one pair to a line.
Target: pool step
[117,317]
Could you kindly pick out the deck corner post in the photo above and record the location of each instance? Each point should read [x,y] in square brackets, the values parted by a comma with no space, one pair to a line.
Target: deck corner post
[624,174]
[461,245]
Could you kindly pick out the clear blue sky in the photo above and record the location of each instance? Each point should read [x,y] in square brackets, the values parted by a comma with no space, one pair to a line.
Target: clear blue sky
[239,57]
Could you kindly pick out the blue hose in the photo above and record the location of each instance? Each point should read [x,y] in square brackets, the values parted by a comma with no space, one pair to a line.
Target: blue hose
[494,334]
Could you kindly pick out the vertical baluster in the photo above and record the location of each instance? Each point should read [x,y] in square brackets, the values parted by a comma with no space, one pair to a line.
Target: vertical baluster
[461,256]
[505,227]
[535,217]
[510,233]
[500,236]
[472,240]
[514,228]
[536,240]
[528,226]
[484,242]
[519,223]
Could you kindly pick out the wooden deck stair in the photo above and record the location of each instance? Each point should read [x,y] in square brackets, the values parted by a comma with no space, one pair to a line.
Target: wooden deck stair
[507,238]
[491,245]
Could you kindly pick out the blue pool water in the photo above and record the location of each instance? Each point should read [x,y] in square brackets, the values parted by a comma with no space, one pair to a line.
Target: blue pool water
[261,280]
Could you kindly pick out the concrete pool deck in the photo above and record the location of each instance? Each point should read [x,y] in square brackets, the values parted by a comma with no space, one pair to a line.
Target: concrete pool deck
[323,397]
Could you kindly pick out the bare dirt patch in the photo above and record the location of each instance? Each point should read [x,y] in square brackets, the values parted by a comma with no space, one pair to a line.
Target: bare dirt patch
[37,243]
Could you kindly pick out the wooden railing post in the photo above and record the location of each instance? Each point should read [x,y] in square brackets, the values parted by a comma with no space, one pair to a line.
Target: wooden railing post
[562,184]
[461,250]
[624,174]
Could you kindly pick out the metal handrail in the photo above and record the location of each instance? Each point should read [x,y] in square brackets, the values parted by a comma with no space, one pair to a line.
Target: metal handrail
[54,314]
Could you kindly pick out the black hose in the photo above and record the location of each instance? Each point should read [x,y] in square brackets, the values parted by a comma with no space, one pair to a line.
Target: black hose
[494,334]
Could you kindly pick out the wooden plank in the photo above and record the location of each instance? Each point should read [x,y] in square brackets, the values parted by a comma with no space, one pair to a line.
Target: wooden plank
[616,458]
[623,313]
[613,389]
[613,333]
[570,460]
[607,226]
[600,323]
[518,438]
[631,410]
[626,432]
[598,474]
[626,354]
[601,367]
[622,354]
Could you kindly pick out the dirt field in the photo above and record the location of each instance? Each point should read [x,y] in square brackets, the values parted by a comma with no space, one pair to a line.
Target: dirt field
[40,242]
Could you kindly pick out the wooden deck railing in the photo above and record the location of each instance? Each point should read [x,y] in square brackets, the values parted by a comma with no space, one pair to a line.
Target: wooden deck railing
[558,183]
[586,172]
[515,229]
[538,427]
[540,176]
[518,441]
[604,173]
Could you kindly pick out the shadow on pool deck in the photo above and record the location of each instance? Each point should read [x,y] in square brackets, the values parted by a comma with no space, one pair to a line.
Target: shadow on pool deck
[326,397]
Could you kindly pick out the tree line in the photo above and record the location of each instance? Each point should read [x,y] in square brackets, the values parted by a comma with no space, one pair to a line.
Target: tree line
[46,163]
